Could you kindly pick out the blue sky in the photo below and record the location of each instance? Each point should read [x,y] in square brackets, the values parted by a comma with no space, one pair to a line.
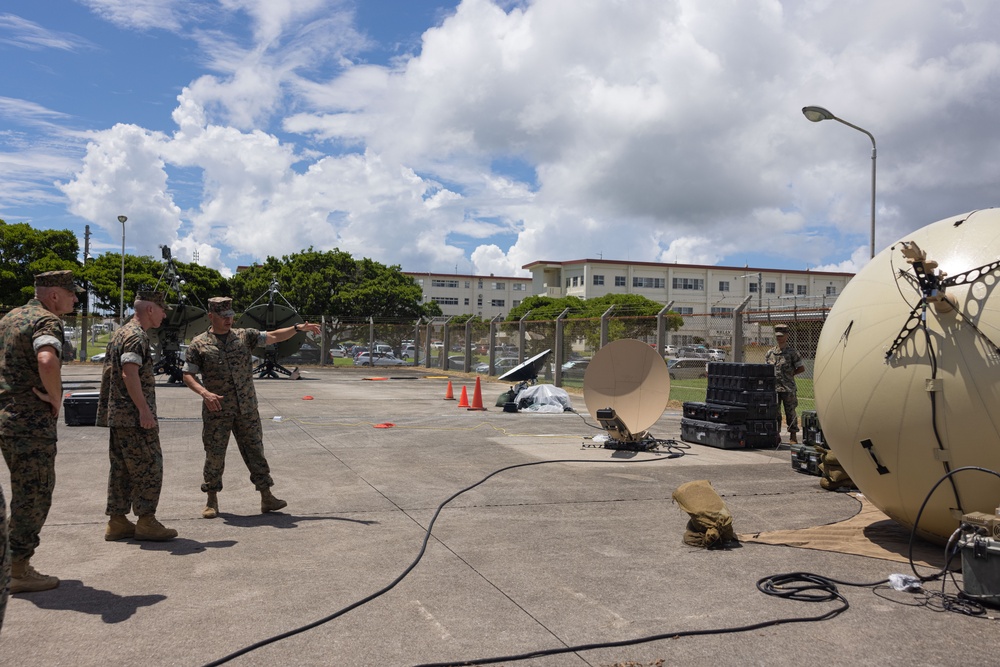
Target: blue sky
[479,136]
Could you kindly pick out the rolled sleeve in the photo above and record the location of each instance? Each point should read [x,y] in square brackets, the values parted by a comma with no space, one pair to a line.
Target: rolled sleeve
[191,368]
[261,339]
[41,341]
[132,358]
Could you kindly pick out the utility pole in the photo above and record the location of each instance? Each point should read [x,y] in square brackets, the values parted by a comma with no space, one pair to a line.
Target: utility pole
[85,324]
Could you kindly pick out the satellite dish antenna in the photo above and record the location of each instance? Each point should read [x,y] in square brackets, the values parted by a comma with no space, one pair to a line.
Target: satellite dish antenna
[268,316]
[183,321]
[626,388]
[525,373]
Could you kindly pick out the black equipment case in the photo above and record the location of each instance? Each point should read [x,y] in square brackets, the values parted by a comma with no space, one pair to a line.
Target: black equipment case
[80,408]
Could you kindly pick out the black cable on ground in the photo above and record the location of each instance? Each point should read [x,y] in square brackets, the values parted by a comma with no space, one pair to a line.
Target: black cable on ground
[409,568]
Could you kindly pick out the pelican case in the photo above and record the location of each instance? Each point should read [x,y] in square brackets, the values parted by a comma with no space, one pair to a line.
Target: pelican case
[80,408]
[805,459]
[694,410]
[812,433]
[725,436]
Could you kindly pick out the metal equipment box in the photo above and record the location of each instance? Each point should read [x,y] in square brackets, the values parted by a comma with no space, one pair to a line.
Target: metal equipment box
[981,568]
[805,459]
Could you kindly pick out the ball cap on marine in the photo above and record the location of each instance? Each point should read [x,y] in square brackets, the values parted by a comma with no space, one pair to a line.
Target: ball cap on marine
[221,306]
[62,279]
[159,298]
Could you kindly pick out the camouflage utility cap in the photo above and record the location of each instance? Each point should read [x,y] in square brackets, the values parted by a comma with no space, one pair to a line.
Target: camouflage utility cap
[221,306]
[62,279]
[159,298]
[781,330]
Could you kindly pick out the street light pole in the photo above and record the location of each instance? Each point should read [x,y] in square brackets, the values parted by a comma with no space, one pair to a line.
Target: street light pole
[816,114]
[121,292]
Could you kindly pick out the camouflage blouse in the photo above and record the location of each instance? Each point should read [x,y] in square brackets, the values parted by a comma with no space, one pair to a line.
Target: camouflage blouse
[785,362]
[226,367]
[23,332]
[129,345]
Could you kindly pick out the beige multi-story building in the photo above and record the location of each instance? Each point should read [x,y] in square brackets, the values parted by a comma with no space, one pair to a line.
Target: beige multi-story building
[485,296]
[705,295]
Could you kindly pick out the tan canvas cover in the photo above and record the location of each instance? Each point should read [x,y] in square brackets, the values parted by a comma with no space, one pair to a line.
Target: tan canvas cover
[710,524]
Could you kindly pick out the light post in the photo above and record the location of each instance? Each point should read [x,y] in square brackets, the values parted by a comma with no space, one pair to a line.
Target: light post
[816,114]
[121,293]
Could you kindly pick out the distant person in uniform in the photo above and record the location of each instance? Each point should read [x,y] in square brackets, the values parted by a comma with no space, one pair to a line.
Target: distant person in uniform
[31,339]
[787,364]
[128,406]
[222,356]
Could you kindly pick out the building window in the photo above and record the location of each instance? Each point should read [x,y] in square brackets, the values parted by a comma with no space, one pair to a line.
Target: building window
[480,283]
[722,312]
[800,290]
[689,283]
[831,290]
[598,280]
[575,281]
[519,287]
[752,287]
[619,281]
[497,303]
[515,303]
[479,301]
[466,301]
[769,288]
[789,288]
[437,282]
[649,283]
[567,282]
[683,310]
[446,300]
[723,285]
[499,286]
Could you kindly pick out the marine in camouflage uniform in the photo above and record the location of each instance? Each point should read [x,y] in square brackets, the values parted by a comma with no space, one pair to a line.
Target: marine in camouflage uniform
[222,356]
[787,364]
[127,405]
[31,339]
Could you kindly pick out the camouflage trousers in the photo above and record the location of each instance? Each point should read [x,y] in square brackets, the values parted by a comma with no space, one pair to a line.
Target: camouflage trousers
[789,400]
[32,465]
[136,474]
[4,559]
[249,438]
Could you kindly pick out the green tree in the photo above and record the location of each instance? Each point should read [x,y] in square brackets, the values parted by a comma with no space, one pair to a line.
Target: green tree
[25,251]
[334,284]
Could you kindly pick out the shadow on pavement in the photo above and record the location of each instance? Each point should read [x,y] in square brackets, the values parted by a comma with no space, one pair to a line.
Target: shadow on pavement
[74,595]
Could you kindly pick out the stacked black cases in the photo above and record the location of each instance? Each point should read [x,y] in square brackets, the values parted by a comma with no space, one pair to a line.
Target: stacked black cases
[740,409]
[812,433]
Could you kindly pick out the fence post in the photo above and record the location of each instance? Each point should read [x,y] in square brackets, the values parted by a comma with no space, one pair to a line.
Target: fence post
[324,344]
[661,327]
[445,344]
[493,342]
[560,322]
[371,341]
[738,338]
[468,346]
[427,344]
[416,341]
[604,325]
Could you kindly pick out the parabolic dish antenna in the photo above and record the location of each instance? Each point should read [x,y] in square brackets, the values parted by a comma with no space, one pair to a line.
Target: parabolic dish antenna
[271,316]
[182,321]
[629,378]
[907,375]
[526,371]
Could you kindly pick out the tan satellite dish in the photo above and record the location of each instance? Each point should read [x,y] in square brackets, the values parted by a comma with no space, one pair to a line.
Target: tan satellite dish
[628,377]
[907,375]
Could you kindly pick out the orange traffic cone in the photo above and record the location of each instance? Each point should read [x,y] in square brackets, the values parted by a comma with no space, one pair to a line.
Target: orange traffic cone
[463,402]
[477,397]
[449,395]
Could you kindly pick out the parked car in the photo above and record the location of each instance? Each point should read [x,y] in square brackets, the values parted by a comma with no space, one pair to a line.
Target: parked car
[337,352]
[381,359]
[575,368]
[409,351]
[716,354]
[501,365]
[456,363]
[670,350]
[692,352]
[687,369]
[98,358]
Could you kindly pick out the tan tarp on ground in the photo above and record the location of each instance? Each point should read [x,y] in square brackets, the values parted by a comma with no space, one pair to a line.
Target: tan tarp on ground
[868,533]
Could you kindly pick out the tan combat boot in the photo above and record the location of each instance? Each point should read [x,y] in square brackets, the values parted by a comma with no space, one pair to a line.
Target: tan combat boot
[26,579]
[793,438]
[119,528]
[148,528]
[211,506]
[268,503]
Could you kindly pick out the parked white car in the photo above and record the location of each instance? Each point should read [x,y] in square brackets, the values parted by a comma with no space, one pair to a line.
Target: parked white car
[363,359]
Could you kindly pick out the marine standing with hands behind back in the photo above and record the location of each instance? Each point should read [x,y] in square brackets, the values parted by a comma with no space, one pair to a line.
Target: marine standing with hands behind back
[787,364]
[128,406]
[31,340]
[222,356]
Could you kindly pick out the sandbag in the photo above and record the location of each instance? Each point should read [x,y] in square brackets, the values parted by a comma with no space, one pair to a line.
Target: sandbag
[833,475]
[711,524]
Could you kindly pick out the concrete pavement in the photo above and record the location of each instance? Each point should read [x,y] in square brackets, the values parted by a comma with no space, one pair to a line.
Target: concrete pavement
[581,551]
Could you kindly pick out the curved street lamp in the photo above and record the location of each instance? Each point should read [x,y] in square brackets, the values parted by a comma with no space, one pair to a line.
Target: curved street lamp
[121,293]
[816,114]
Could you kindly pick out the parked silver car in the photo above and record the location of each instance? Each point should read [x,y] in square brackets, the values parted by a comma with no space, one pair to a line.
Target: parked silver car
[687,369]
[381,359]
